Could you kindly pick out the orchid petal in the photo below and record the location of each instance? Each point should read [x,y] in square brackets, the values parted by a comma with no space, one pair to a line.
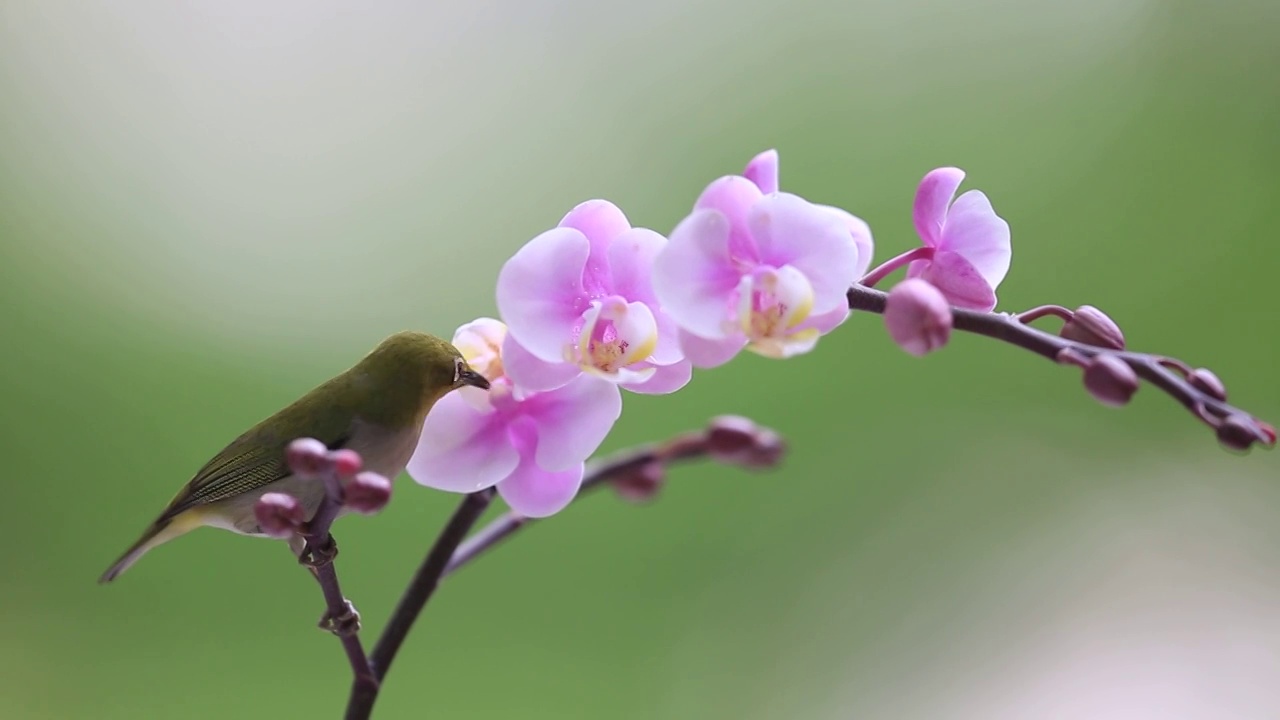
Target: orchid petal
[534,492]
[694,277]
[573,420]
[733,196]
[462,449]
[763,171]
[665,379]
[531,374]
[540,292]
[932,198]
[959,281]
[704,353]
[601,222]
[975,231]
[790,230]
[861,234]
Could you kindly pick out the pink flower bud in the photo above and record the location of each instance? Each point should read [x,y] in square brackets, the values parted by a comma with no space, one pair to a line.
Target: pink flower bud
[1091,326]
[1110,380]
[1236,433]
[1206,382]
[736,440]
[367,493]
[918,317]
[278,515]
[307,458]
[641,484]
[346,463]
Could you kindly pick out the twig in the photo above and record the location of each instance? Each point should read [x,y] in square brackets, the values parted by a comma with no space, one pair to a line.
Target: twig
[421,587]
[1235,427]
[317,554]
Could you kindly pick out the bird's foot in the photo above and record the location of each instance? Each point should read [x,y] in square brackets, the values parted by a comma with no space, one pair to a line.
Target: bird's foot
[344,623]
[314,555]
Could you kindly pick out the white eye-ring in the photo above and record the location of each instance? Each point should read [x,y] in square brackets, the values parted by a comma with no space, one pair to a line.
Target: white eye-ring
[457,370]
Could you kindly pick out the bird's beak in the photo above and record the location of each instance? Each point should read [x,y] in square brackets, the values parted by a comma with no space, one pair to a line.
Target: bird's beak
[473,378]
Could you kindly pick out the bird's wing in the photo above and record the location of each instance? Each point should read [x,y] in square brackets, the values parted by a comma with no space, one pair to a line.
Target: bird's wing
[250,462]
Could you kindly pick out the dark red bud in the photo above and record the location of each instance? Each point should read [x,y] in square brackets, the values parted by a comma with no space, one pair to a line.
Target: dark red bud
[1237,433]
[367,493]
[1091,326]
[278,515]
[1206,382]
[1110,380]
[308,458]
[736,440]
[642,483]
[346,463]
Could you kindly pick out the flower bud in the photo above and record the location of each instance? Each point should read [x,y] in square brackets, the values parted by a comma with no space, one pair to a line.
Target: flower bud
[642,483]
[735,440]
[307,457]
[346,463]
[278,514]
[1110,380]
[1206,382]
[1091,326]
[367,493]
[1236,433]
[918,316]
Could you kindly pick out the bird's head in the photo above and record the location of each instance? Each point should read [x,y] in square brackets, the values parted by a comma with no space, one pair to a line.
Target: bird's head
[414,365]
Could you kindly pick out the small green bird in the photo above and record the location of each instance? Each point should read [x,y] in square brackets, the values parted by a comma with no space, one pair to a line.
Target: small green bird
[376,408]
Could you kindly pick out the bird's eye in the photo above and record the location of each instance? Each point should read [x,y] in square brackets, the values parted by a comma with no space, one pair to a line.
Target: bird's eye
[457,370]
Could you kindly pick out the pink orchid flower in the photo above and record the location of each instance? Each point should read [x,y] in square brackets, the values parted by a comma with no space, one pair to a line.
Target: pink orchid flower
[532,446]
[970,243]
[578,298]
[767,272]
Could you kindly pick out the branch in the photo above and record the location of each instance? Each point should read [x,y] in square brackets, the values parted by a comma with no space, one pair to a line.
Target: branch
[420,590]
[281,515]
[1198,390]
[639,473]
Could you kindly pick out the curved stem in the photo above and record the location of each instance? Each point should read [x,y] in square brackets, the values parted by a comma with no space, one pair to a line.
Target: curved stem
[1152,368]
[887,267]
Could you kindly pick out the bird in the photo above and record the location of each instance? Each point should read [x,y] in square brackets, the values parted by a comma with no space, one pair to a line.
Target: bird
[375,408]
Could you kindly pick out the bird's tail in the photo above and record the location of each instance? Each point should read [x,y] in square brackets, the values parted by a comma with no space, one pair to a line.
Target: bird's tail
[159,533]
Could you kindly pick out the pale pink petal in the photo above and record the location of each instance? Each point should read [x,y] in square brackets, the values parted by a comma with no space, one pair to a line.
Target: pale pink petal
[975,231]
[573,420]
[860,231]
[733,196]
[704,353]
[825,322]
[763,171]
[790,230]
[534,492]
[932,198]
[529,373]
[959,281]
[631,257]
[540,293]
[601,221]
[665,379]
[694,277]
[462,449]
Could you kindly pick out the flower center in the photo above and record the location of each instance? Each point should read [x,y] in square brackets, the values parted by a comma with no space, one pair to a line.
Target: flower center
[614,335]
[772,302]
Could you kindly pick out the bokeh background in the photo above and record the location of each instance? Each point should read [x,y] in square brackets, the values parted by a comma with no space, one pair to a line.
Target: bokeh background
[207,208]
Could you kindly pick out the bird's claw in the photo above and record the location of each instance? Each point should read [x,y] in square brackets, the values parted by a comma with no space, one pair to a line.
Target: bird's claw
[344,623]
[315,556]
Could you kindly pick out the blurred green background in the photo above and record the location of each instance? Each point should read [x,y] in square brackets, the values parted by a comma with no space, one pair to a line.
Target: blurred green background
[207,208]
